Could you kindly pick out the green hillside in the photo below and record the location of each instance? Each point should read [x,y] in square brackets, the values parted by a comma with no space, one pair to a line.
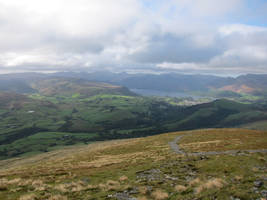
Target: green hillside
[68,111]
[57,117]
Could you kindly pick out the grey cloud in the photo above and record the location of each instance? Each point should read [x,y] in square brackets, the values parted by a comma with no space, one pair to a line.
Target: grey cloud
[176,49]
[74,45]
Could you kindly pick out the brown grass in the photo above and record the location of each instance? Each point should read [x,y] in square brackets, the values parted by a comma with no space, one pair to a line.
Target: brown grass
[238,178]
[102,186]
[123,178]
[73,187]
[194,182]
[78,188]
[224,139]
[39,185]
[58,197]
[159,195]
[180,188]
[112,185]
[92,187]
[143,190]
[25,182]
[15,181]
[62,188]
[210,184]
[28,197]
[3,184]
[142,198]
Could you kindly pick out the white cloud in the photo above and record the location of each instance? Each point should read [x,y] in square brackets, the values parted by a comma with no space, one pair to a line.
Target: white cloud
[128,35]
[241,29]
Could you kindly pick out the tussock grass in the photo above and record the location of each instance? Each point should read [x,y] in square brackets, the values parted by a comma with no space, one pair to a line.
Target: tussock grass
[142,198]
[159,195]
[143,190]
[112,185]
[28,197]
[58,197]
[123,178]
[180,188]
[215,183]
[194,182]
[62,188]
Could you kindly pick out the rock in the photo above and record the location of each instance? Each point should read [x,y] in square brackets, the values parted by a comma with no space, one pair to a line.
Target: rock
[234,198]
[123,196]
[258,183]
[171,178]
[264,193]
[150,175]
[85,180]
[133,191]
[203,157]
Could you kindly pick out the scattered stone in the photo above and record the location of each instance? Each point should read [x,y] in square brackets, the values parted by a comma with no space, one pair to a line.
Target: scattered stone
[204,157]
[171,178]
[123,196]
[150,175]
[258,183]
[234,198]
[133,191]
[85,180]
[264,193]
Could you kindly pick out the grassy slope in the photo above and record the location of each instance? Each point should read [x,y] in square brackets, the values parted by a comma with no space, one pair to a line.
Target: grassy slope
[223,140]
[145,168]
[260,125]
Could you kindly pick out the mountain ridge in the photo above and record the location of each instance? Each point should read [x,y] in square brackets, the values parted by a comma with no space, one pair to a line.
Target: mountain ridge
[250,83]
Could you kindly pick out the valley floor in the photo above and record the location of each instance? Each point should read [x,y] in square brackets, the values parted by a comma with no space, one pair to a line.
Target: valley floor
[145,168]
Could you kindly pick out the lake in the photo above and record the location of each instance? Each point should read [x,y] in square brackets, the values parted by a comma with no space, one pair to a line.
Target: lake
[147,92]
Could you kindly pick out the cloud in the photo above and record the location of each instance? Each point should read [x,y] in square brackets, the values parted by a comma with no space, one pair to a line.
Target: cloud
[131,35]
[245,51]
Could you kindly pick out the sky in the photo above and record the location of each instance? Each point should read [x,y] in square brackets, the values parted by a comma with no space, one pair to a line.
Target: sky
[226,37]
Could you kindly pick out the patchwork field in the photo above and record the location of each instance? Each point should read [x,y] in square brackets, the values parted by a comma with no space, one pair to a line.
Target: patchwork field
[143,168]
[52,113]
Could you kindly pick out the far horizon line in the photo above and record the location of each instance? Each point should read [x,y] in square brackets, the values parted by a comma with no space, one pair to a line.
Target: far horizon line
[132,73]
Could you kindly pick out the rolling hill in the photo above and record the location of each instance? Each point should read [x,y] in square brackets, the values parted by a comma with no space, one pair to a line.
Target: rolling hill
[69,111]
[38,123]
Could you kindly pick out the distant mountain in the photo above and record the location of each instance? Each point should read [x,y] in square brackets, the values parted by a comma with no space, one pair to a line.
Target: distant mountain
[18,86]
[250,84]
[50,85]
[162,82]
[205,85]
[73,86]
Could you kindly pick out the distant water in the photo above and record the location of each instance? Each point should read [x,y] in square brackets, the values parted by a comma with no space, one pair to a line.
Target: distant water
[146,92]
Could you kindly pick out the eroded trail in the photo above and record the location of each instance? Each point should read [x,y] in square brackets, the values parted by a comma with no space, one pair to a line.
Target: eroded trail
[175,147]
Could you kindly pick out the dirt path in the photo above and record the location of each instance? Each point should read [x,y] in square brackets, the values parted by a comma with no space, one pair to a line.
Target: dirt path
[175,147]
